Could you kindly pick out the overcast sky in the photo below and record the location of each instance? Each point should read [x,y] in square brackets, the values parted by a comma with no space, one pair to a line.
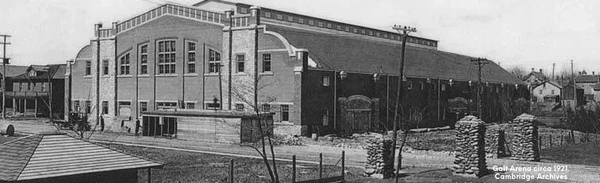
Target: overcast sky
[527,33]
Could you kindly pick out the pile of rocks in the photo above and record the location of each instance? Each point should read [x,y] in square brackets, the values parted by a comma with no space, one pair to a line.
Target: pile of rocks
[470,147]
[379,158]
[524,145]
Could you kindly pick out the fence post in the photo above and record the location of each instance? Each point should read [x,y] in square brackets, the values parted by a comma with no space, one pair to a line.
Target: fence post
[343,164]
[561,139]
[294,168]
[540,141]
[231,170]
[320,165]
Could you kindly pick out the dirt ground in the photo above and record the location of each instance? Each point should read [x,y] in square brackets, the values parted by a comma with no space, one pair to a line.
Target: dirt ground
[427,163]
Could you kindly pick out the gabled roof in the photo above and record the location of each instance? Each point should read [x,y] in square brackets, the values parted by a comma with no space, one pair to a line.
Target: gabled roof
[55,71]
[13,70]
[587,78]
[352,54]
[550,83]
[55,155]
[538,75]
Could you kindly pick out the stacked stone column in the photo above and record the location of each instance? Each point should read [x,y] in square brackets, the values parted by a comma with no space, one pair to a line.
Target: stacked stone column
[470,147]
[379,158]
[525,144]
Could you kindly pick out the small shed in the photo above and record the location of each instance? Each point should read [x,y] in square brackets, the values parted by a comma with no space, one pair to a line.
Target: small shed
[56,157]
[207,125]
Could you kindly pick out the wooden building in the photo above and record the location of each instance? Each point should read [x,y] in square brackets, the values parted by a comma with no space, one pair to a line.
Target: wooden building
[58,158]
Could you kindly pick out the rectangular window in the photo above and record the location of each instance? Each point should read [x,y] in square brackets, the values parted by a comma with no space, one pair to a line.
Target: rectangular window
[240,62]
[105,67]
[76,106]
[21,86]
[239,107]
[88,68]
[190,105]
[143,106]
[443,87]
[166,105]
[144,59]
[31,86]
[191,57]
[285,113]
[166,57]
[552,92]
[124,64]
[266,107]
[422,85]
[44,86]
[325,80]
[88,107]
[541,91]
[267,62]
[104,107]
[409,85]
[214,61]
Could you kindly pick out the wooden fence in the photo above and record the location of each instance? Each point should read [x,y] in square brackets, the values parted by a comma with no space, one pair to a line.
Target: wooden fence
[556,140]
[321,179]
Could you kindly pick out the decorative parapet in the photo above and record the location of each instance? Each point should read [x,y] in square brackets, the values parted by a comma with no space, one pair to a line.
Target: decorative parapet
[171,9]
[272,14]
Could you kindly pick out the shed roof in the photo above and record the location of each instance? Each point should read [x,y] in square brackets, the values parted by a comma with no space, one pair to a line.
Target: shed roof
[55,155]
[13,70]
[206,113]
[56,71]
[587,78]
[355,54]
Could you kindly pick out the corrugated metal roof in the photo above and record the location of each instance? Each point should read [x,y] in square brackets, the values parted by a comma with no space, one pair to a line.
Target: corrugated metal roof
[356,54]
[59,155]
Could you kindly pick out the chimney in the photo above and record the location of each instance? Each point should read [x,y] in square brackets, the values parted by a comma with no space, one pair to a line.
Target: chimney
[532,69]
[540,70]
[593,73]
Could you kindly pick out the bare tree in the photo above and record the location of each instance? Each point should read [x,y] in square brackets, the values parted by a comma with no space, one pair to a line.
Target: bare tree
[244,92]
[518,71]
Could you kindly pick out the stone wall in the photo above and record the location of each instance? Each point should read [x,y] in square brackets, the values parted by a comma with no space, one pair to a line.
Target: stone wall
[516,139]
[379,158]
[470,147]
[524,133]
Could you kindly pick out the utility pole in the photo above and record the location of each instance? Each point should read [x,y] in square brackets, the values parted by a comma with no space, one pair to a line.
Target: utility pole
[479,62]
[574,85]
[553,65]
[404,30]
[4,62]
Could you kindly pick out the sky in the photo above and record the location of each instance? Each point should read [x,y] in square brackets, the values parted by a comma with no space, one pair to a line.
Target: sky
[515,33]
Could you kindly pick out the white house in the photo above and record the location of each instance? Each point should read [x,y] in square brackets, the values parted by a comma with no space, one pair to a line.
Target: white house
[547,91]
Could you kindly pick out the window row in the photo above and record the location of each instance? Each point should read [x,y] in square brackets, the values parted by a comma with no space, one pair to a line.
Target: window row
[167,56]
[284,110]
[30,86]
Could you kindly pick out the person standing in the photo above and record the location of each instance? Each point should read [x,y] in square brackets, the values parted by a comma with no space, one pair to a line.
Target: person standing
[101,124]
[137,127]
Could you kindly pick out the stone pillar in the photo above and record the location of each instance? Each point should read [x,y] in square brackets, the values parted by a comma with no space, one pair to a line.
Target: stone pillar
[525,144]
[470,147]
[379,158]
